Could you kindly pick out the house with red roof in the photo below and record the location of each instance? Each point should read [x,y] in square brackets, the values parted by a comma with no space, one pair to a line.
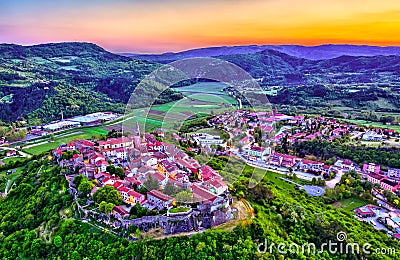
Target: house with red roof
[107,181]
[161,178]
[117,184]
[121,153]
[88,171]
[167,167]
[245,140]
[289,161]
[119,211]
[113,143]
[203,196]
[218,186]
[159,199]
[275,159]
[58,152]
[208,173]
[71,146]
[296,119]
[364,212]
[77,158]
[188,164]
[155,146]
[123,190]
[134,181]
[95,157]
[346,165]
[135,197]
[101,165]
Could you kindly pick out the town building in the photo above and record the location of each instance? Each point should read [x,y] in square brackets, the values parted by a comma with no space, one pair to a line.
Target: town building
[364,212]
[159,199]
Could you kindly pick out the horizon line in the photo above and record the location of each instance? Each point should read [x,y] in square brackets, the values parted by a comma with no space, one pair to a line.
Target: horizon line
[203,47]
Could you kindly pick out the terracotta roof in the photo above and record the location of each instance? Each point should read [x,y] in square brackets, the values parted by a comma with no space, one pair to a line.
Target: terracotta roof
[123,189]
[201,194]
[120,210]
[158,175]
[159,195]
[134,194]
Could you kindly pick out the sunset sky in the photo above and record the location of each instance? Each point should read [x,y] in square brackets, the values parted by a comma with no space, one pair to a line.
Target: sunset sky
[155,26]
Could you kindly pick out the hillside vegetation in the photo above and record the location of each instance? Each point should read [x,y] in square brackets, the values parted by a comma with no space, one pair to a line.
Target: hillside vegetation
[39,221]
[38,82]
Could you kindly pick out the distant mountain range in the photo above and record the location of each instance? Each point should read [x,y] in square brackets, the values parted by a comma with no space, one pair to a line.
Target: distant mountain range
[321,52]
[37,82]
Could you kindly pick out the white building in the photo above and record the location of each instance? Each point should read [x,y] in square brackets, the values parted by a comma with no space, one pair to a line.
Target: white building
[159,199]
[207,139]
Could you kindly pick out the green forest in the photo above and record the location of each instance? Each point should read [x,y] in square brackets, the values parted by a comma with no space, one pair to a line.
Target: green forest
[38,82]
[38,221]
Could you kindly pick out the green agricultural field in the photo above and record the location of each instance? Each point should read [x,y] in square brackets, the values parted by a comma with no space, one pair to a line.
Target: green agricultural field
[203,87]
[207,91]
[77,134]
[373,124]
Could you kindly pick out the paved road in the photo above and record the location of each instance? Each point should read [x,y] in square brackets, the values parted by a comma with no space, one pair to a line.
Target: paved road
[313,190]
[332,183]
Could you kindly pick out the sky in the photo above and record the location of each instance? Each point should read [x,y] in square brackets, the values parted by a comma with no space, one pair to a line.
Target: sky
[157,26]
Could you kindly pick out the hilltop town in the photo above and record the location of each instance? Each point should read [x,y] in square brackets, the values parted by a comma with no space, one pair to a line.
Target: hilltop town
[160,178]
[155,176]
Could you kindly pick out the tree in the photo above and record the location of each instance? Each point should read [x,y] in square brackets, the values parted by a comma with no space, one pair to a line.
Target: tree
[170,189]
[78,179]
[120,172]
[85,186]
[184,196]
[57,241]
[151,183]
[102,206]
[109,208]
[108,194]
[67,155]
[111,169]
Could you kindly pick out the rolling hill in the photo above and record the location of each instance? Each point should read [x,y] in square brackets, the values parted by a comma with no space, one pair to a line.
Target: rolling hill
[321,52]
[37,82]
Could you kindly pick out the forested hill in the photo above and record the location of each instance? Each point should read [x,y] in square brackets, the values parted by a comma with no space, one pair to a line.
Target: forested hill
[57,50]
[345,84]
[39,220]
[37,82]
